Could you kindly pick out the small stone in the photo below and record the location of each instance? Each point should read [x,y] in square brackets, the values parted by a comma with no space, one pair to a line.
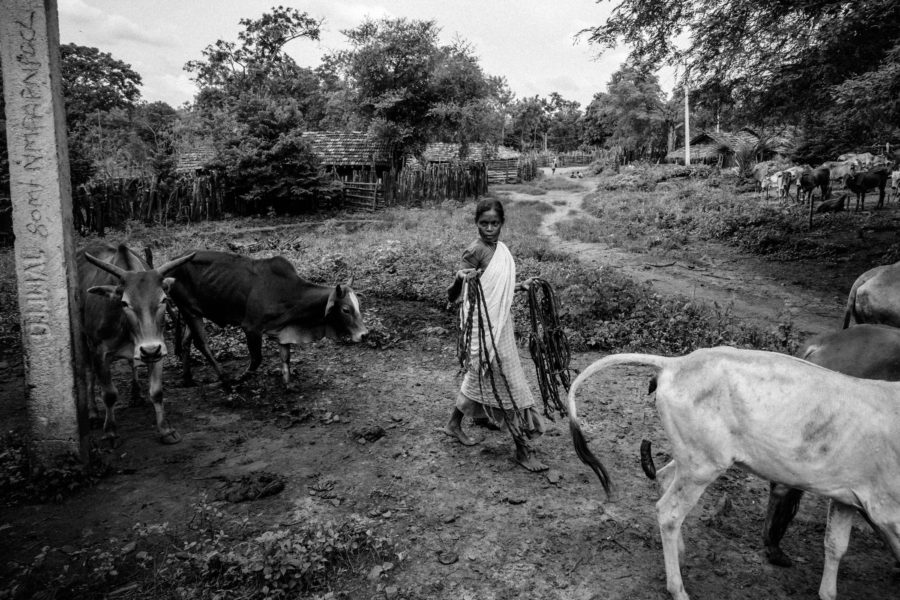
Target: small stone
[553,476]
[391,592]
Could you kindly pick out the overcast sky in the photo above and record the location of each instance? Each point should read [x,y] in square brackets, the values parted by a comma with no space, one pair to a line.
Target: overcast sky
[530,42]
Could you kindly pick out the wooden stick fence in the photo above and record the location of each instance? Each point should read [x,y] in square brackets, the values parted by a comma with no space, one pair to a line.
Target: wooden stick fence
[437,181]
[364,195]
[111,202]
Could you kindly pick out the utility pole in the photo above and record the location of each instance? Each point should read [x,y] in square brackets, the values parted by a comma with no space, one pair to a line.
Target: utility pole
[687,118]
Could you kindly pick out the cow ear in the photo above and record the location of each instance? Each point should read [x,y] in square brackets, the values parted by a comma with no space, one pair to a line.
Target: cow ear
[167,283]
[340,290]
[110,291]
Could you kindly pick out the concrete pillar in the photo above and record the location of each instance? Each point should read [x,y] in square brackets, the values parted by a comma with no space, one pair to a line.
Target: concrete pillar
[42,223]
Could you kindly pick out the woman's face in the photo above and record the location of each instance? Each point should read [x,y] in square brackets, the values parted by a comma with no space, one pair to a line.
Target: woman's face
[489,225]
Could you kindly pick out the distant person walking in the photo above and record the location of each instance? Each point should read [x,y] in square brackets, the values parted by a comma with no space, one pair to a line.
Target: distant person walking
[494,391]
[554,165]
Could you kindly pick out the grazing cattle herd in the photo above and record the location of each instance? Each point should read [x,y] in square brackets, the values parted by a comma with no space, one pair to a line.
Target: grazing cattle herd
[826,421]
[859,173]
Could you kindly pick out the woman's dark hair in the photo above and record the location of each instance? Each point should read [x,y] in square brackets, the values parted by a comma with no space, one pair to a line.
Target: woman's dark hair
[487,204]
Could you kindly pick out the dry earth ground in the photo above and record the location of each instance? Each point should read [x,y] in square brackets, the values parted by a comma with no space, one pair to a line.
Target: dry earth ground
[467,521]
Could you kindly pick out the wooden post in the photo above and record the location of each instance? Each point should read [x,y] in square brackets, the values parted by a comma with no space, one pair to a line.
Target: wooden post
[42,223]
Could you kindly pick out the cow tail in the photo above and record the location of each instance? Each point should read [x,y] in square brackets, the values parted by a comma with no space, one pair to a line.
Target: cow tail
[647,460]
[850,310]
[581,448]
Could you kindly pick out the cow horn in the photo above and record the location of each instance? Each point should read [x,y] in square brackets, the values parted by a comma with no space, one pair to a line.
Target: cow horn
[110,268]
[175,263]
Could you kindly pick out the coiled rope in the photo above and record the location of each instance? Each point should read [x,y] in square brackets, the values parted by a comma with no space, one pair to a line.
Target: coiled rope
[548,345]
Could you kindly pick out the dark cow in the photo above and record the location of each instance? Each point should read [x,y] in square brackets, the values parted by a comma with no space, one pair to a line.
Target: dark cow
[812,179]
[263,297]
[833,205]
[123,316]
[866,351]
[860,183]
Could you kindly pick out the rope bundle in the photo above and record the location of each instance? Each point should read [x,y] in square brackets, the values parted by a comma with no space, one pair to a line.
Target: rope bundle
[548,345]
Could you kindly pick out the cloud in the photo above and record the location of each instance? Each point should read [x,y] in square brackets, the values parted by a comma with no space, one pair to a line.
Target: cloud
[84,21]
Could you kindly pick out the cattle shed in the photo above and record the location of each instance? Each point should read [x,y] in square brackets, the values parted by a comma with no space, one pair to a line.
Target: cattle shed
[716,147]
[361,163]
[350,155]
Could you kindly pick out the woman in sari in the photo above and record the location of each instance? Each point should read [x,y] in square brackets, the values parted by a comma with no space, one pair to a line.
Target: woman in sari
[494,391]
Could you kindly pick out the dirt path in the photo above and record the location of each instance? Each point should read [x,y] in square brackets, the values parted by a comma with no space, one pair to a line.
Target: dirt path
[716,274]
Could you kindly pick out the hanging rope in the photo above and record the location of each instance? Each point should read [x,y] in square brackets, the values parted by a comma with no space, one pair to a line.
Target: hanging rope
[548,345]
[477,307]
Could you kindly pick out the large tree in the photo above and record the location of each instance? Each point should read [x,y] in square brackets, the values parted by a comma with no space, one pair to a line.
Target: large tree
[631,114]
[255,102]
[401,84]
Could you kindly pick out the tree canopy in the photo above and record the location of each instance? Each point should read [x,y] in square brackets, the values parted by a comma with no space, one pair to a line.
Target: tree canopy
[831,67]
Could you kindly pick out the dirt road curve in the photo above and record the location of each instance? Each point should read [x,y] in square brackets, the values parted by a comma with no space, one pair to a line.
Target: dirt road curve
[719,275]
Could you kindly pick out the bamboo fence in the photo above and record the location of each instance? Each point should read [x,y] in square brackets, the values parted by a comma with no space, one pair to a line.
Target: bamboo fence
[104,203]
[438,181]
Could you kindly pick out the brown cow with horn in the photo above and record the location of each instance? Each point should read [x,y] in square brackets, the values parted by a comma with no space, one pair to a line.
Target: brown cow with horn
[123,316]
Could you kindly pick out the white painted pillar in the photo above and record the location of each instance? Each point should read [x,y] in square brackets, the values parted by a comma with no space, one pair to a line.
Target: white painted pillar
[687,122]
[42,223]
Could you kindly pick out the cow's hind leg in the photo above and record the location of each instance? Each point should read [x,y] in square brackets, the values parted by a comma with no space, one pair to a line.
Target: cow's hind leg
[837,537]
[678,500]
[167,435]
[198,334]
[254,345]
[783,504]
[284,351]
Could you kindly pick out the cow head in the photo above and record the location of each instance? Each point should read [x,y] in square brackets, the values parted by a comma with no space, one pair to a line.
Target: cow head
[141,298]
[342,314]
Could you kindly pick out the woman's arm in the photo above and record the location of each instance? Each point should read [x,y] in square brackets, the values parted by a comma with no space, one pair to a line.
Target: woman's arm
[524,285]
[469,268]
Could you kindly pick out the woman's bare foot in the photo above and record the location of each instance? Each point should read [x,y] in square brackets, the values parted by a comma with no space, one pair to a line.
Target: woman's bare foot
[455,431]
[526,457]
[486,423]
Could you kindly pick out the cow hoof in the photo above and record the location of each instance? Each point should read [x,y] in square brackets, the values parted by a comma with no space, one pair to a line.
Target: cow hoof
[170,438]
[777,557]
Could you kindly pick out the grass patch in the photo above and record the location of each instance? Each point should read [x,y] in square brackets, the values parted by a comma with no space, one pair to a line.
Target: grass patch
[581,229]
[559,183]
[520,188]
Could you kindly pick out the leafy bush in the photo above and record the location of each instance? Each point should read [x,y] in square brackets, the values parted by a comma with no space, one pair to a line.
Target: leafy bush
[53,483]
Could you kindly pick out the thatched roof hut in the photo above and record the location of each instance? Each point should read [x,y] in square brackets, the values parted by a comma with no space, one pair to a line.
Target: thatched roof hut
[195,158]
[716,146]
[348,149]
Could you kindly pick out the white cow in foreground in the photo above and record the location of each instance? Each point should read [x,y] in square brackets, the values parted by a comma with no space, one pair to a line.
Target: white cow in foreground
[779,417]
